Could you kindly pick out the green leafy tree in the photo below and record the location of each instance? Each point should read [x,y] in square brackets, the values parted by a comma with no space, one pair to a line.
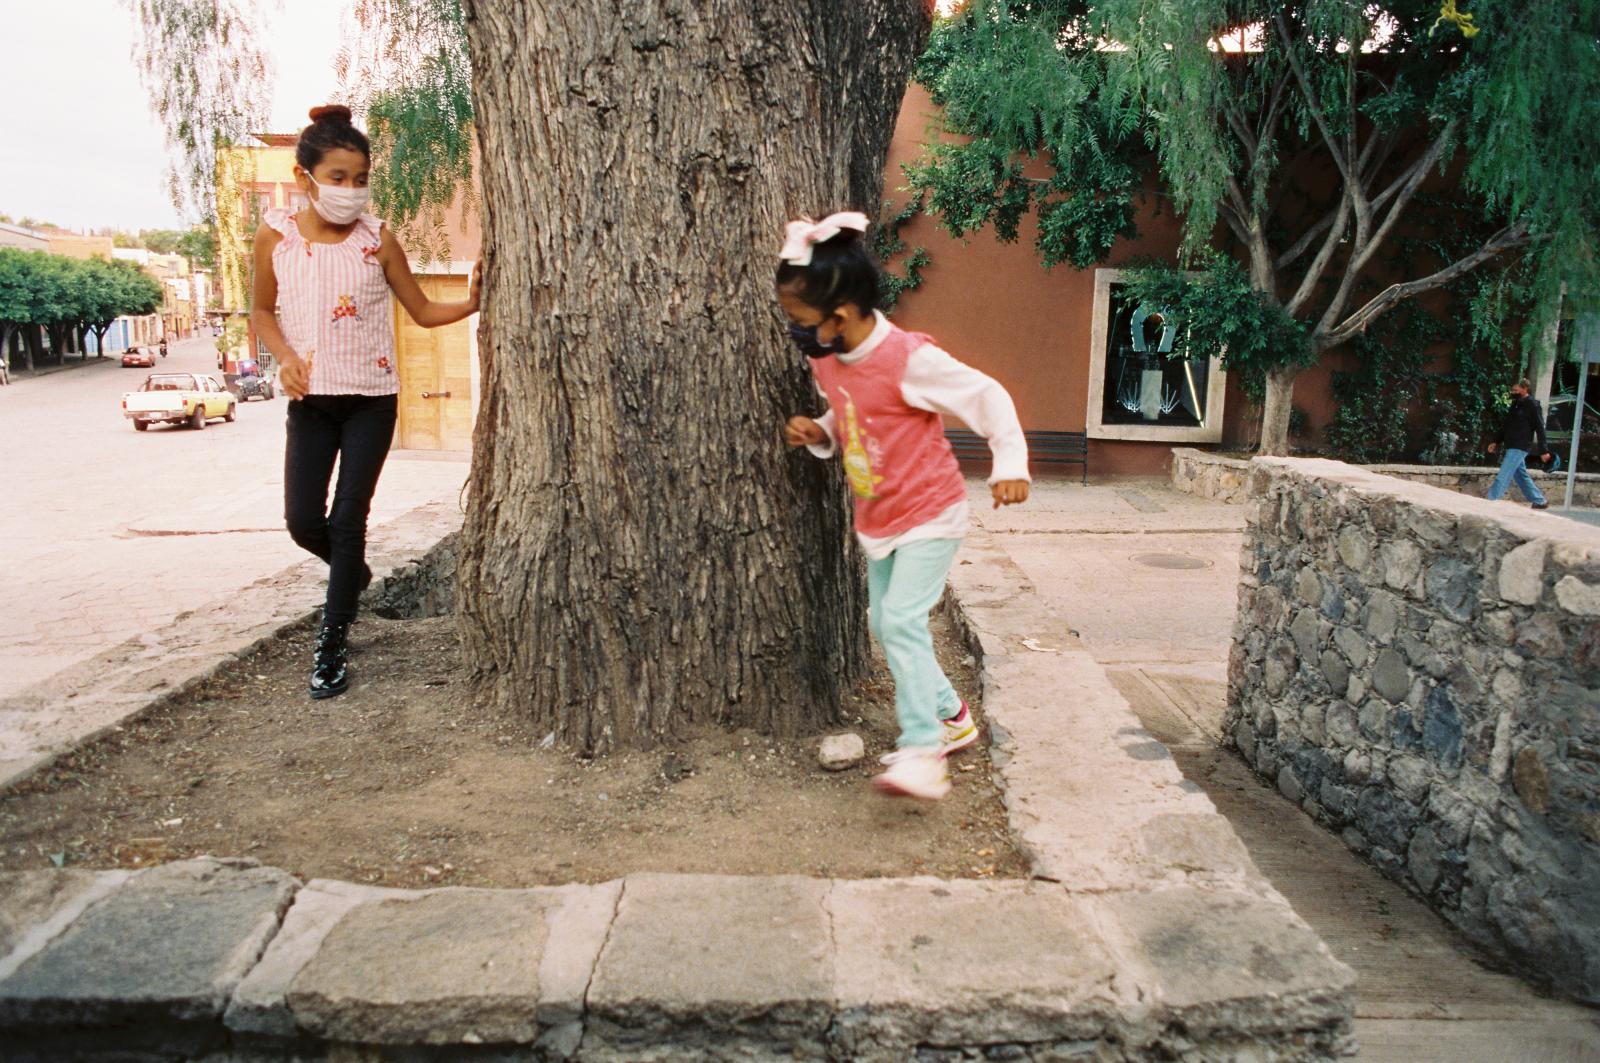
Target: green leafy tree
[19,296]
[1292,138]
[115,289]
[161,241]
[409,72]
[64,300]
[199,245]
[68,296]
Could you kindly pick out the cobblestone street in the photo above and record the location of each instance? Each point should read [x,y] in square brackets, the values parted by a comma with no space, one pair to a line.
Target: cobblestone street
[107,532]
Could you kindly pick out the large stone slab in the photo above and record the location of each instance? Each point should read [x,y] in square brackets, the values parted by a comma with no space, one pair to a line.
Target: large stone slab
[1227,970]
[169,946]
[713,966]
[964,963]
[441,967]
[1093,799]
[260,1003]
[35,906]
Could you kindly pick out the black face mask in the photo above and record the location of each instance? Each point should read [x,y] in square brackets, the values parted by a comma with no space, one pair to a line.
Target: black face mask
[805,339]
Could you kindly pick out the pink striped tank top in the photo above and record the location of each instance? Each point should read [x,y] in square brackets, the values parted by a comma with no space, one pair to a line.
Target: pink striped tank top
[333,305]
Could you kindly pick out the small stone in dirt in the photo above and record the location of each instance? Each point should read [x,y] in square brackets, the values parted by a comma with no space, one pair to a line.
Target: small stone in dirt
[675,768]
[839,752]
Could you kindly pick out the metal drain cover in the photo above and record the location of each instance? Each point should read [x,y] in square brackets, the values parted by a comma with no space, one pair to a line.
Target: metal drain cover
[1171,561]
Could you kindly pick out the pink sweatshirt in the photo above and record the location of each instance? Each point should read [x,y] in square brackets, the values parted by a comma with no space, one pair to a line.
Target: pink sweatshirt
[885,400]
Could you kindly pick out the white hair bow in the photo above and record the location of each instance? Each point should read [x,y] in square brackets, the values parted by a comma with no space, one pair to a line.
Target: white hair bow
[799,236]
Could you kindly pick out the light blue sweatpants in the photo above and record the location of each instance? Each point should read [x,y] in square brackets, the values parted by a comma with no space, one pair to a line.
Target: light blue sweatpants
[901,589]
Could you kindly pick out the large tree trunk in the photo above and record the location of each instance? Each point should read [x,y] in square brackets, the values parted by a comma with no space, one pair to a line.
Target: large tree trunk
[1276,409]
[641,552]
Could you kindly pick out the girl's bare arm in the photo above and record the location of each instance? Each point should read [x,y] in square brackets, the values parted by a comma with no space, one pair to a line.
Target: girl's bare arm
[424,311]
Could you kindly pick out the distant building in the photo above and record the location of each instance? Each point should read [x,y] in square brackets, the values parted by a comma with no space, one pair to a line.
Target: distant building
[25,239]
[204,303]
[251,179]
[76,245]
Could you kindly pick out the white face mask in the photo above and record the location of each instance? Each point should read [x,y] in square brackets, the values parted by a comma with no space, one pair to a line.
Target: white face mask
[339,206]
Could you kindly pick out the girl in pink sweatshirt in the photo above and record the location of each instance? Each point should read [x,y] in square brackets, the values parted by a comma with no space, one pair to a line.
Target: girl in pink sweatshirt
[886,391]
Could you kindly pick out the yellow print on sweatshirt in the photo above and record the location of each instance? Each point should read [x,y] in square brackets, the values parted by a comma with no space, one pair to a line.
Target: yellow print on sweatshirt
[857,459]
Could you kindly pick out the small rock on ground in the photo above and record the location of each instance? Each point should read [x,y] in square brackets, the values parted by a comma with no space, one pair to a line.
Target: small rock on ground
[839,752]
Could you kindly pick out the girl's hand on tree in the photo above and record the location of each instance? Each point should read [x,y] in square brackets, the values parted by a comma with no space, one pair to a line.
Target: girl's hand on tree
[295,376]
[1009,492]
[803,431]
[475,286]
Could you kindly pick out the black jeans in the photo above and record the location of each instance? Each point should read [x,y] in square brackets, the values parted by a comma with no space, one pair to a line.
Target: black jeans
[357,429]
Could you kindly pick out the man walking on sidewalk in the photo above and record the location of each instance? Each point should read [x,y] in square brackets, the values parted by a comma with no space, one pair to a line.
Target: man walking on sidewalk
[1523,428]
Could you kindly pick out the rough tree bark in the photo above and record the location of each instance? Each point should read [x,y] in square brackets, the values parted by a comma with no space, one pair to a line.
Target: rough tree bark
[641,552]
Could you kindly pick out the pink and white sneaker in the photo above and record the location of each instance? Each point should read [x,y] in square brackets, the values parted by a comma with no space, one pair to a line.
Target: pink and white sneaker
[914,773]
[959,732]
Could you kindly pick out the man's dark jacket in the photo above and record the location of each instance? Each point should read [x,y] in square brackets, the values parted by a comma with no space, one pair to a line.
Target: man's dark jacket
[1524,426]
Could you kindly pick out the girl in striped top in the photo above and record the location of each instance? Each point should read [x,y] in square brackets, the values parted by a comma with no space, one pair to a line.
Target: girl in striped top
[322,286]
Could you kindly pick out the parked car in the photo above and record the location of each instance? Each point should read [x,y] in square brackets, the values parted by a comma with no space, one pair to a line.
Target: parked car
[138,358]
[178,398]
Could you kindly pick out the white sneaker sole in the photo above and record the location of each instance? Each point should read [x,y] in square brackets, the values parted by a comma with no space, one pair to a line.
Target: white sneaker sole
[895,788]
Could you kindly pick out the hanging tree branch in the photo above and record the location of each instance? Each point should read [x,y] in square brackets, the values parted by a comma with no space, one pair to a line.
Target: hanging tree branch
[1507,239]
[209,82]
[1311,98]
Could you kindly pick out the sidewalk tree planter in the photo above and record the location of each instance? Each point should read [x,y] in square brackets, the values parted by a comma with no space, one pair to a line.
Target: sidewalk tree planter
[642,554]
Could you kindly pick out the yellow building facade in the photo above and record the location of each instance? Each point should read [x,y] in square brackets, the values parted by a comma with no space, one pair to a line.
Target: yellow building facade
[251,180]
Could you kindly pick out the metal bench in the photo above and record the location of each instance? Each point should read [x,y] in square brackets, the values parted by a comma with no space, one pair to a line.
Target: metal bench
[1050,448]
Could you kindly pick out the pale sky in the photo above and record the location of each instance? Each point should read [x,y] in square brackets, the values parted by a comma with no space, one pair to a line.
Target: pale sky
[82,146]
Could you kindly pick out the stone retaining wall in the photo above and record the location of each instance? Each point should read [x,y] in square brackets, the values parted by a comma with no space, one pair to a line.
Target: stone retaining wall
[1225,479]
[1420,670]
[1213,476]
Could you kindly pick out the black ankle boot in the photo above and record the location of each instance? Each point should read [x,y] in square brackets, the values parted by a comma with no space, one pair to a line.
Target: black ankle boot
[330,674]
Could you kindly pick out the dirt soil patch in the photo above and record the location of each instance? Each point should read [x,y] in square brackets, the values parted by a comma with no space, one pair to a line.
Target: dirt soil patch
[405,781]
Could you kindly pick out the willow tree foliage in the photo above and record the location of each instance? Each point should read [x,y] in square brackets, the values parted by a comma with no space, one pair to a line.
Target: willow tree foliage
[406,68]
[1293,139]
[202,63]
[403,67]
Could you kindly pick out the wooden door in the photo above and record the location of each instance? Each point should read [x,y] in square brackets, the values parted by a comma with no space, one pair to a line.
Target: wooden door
[435,374]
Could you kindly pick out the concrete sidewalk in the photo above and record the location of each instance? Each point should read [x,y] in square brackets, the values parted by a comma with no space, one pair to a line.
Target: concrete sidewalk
[1148,578]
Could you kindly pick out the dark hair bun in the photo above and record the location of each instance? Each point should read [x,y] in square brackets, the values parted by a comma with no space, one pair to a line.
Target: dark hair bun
[331,112]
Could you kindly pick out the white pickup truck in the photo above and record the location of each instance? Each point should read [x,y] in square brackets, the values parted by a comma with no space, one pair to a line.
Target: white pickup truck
[178,398]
